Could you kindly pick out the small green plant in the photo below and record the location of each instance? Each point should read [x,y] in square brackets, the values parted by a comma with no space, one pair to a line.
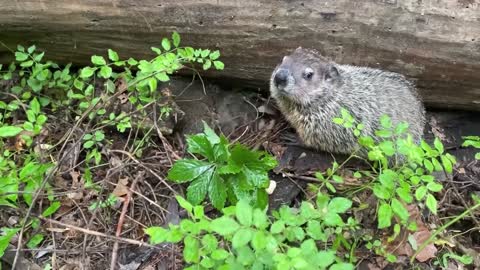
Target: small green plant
[473,141]
[227,171]
[245,238]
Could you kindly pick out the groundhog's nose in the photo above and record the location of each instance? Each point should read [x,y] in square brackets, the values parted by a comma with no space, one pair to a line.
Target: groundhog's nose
[281,77]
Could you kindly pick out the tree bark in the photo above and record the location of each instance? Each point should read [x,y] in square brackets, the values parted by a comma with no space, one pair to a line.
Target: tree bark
[436,43]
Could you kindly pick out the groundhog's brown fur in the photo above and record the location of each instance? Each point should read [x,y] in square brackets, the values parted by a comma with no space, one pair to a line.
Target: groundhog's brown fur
[310,90]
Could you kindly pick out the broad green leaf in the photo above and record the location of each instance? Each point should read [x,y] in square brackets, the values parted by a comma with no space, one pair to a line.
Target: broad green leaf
[152,84]
[20,56]
[314,230]
[431,203]
[434,187]
[51,209]
[187,170]
[447,164]
[9,131]
[162,76]
[224,226]
[210,133]
[217,191]
[385,121]
[420,193]
[324,258]
[198,188]
[342,266]
[277,227]
[382,192]
[175,39]
[218,65]
[404,194]
[244,213]
[242,237]
[98,60]
[87,72]
[401,128]
[214,55]
[387,147]
[384,216]
[199,144]
[191,250]
[209,242]
[220,254]
[31,49]
[166,44]
[333,219]
[113,55]
[399,210]
[438,145]
[105,72]
[207,64]
[339,205]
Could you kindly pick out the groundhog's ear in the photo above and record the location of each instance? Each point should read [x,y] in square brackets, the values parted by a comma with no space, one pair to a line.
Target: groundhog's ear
[332,72]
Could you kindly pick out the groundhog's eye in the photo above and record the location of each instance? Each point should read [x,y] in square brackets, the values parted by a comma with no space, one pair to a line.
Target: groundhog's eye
[308,74]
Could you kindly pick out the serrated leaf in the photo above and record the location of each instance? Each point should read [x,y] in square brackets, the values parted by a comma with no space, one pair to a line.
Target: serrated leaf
[218,65]
[198,188]
[220,254]
[399,210]
[113,55]
[187,170]
[176,39]
[166,44]
[333,219]
[217,191]
[242,237]
[244,213]
[431,203]
[20,56]
[214,55]
[404,194]
[191,249]
[385,121]
[162,76]
[87,72]
[277,227]
[259,240]
[384,216]
[105,72]
[9,131]
[207,64]
[381,192]
[324,258]
[98,60]
[339,205]
[224,226]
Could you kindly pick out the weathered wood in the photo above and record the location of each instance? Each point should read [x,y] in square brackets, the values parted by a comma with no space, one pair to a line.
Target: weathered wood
[435,42]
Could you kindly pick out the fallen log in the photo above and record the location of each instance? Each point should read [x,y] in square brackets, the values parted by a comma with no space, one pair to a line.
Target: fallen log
[435,43]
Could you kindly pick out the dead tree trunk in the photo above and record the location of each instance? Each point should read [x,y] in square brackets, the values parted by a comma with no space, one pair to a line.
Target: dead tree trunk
[436,43]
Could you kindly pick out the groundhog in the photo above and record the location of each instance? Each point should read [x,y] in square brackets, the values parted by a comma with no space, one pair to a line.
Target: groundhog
[310,91]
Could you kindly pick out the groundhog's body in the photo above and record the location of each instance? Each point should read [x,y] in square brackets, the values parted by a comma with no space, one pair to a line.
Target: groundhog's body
[312,90]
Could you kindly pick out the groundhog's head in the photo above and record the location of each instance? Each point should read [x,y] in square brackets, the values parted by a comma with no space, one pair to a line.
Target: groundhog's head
[303,77]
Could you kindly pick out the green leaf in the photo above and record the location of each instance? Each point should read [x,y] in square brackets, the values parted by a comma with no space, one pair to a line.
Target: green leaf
[113,55]
[218,65]
[31,49]
[382,192]
[184,203]
[105,72]
[244,213]
[259,240]
[210,133]
[9,131]
[404,194]
[51,209]
[387,147]
[333,219]
[217,191]
[220,254]
[20,56]
[277,227]
[88,144]
[431,203]
[162,76]
[384,216]
[35,241]
[199,144]
[214,55]
[224,226]
[209,242]
[242,237]
[399,210]
[39,57]
[401,128]
[176,39]
[420,192]
[5,238]
[314,230]
[157,234]
[339,205]
[28,63]
[385,121]
[434,187]
[87,72]
[166,44]
[207,262]
[207,64]
[447,164]
[152,84]
[324,258]
[98,60]
[191,250]
[438,145]
[187,170]
[198,189]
